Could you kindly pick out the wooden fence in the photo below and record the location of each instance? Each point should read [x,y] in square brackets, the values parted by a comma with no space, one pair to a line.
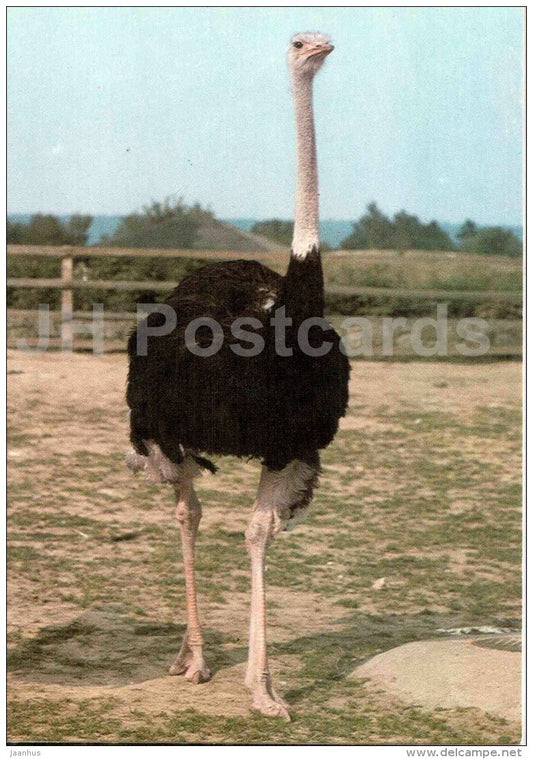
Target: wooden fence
[67,284]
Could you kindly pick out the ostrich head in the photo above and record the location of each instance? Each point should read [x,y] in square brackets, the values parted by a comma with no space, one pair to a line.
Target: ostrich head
[307,52]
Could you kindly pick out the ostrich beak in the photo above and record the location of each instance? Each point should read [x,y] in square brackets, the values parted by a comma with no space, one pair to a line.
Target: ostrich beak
[321,50]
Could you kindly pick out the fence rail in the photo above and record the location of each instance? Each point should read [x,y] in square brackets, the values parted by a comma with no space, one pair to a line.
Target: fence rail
[78,251]
[67,284]
[90,284]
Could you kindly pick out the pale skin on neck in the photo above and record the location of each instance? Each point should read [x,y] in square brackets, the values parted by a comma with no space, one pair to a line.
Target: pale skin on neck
[304,64]
[306,234]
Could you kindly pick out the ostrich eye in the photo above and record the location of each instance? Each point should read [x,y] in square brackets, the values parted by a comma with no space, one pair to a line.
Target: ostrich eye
[298,44]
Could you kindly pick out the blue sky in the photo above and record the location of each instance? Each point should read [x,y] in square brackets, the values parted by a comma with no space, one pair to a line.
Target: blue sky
[417,109]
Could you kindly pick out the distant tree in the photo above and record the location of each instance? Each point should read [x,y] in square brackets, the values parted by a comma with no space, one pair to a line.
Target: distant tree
[494,241]
[468,229]
[490,241]
[77,229]
[167,224]
[274,229]
[405,231]
[46,229]
[375,230]
[434,237]
[14,232]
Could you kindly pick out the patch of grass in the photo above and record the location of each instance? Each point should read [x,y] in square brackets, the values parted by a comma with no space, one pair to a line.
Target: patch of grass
[63,721]
[424,270]
[23,555]
[357,722]
[18,437]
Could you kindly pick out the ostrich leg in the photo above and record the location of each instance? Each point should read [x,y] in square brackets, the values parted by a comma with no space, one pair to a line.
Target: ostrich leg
[190,660]
[258,535]
[281,498]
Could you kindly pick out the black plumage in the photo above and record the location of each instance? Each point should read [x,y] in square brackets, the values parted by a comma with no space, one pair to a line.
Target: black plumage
[268,406]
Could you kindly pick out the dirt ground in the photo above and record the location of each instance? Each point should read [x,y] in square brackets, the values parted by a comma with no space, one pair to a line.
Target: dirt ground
[95,587]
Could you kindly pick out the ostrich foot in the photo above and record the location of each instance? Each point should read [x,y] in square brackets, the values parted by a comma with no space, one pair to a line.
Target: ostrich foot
[267,702]
[190,662]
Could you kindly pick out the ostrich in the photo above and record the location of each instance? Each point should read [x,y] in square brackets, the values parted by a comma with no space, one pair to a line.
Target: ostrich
[279,401]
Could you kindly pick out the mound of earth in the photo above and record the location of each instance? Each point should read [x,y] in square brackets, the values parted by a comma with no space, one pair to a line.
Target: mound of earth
[450,674]
[212,234]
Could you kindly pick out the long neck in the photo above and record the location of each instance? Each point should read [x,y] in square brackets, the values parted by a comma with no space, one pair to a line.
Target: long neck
[305,236]
[303,287]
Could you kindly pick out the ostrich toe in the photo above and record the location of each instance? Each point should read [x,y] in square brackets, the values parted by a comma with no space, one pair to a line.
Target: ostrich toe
[191,664]
[266,701]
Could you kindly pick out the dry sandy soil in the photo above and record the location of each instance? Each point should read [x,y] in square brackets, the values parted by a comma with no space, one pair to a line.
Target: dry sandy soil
[91,574]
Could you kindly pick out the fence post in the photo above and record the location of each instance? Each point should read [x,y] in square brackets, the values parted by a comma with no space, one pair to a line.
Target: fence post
[67,299]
